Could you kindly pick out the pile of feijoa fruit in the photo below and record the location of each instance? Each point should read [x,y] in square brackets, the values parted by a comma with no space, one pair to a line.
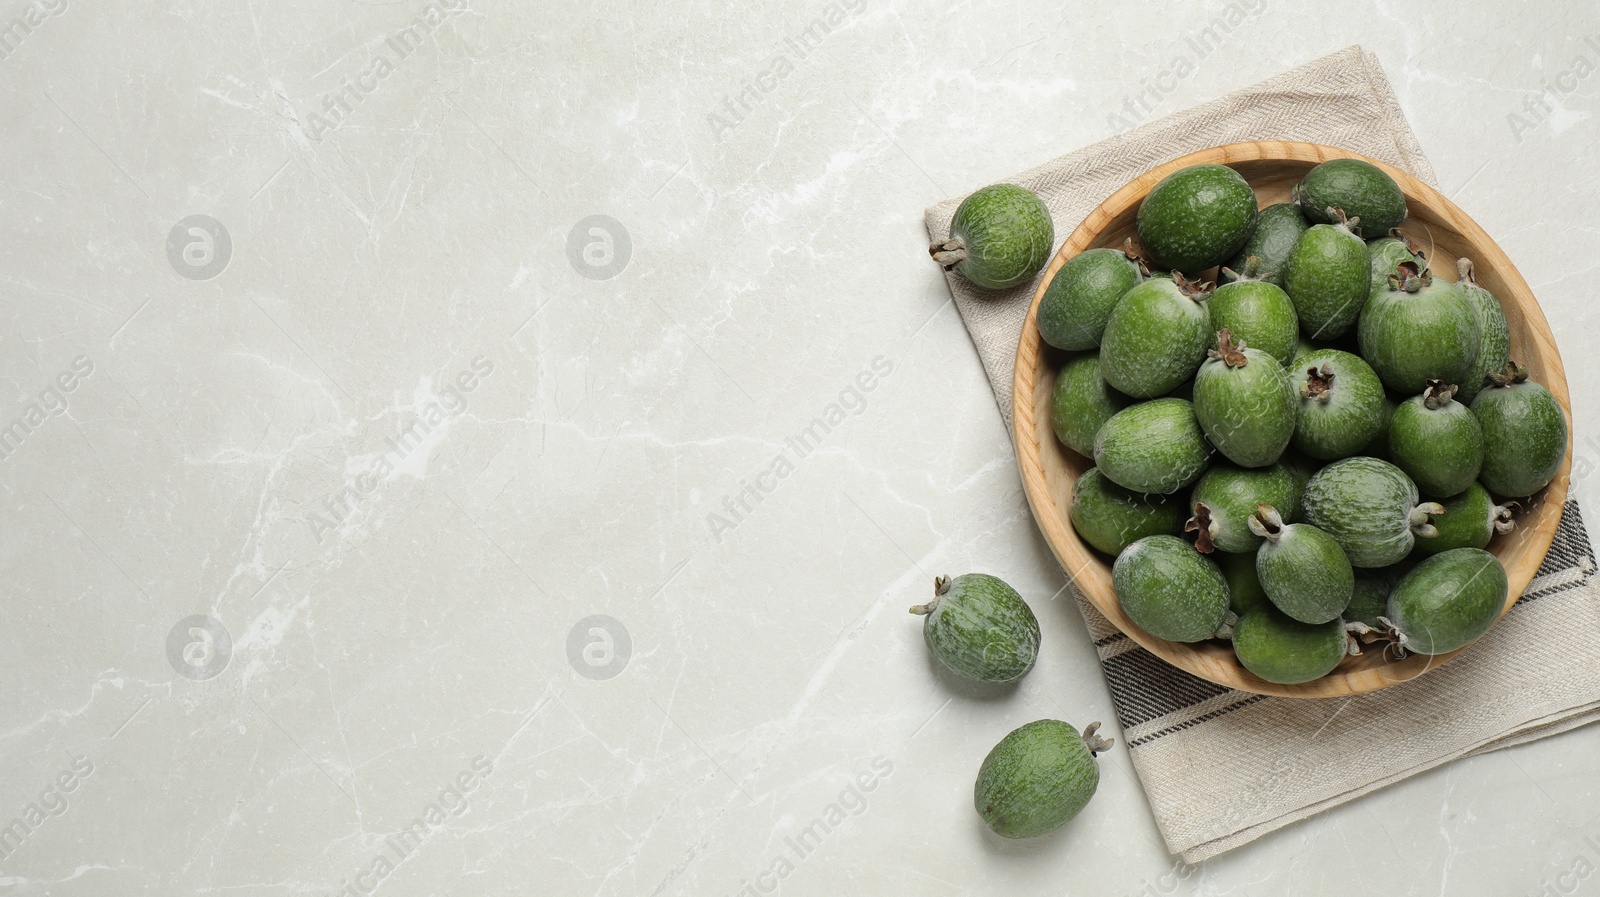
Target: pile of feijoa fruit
[1040,775]
[1309,459]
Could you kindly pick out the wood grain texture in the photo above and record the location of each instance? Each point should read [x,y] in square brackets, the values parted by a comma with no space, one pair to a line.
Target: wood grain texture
[1273,168]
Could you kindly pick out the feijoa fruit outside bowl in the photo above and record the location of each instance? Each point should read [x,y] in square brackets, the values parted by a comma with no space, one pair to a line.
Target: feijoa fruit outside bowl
[1050,470]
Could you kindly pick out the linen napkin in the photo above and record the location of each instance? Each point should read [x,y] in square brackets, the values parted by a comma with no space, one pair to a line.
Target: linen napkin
[1223,767]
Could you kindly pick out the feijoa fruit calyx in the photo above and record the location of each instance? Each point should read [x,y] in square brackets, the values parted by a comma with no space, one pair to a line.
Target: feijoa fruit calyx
[1385,255]
[1341,404]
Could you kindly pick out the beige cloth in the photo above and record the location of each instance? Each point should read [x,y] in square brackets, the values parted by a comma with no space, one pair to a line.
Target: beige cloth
[1222,767]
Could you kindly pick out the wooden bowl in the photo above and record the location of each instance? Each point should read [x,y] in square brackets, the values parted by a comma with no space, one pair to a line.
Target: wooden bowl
[1273,168]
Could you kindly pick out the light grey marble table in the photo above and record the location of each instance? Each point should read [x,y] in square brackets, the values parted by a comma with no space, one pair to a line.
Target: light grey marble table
[418,486]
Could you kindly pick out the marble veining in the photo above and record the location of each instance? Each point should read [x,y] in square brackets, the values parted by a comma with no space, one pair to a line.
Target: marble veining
[460,447]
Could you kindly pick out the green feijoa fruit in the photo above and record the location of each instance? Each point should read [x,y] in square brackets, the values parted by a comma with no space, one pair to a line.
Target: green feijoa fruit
[1170,590]
[1038,777]
[1385,255]
[1259,314]
[1327,279]
[1156,337]
[1244,586]
[1470,520]
[1302,568]
[1361,189]
[1302,469]
[980,628]
[1421,328]
[1448,600]
[1278,228]
[1370,507]
[1369,599]
[1524,433]
[1494,335]
[1226,496]
[1303,347]
[1000,237]
[1437,441]
[1196,217]
[1341,404]
[1379,446]
[1081,402]
[1286,651]
[1245,403]
[1154,446]
[1110,517]
[1078,301]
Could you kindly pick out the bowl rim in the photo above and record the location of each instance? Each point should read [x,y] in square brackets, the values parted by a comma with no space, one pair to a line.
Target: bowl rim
[1052,520]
